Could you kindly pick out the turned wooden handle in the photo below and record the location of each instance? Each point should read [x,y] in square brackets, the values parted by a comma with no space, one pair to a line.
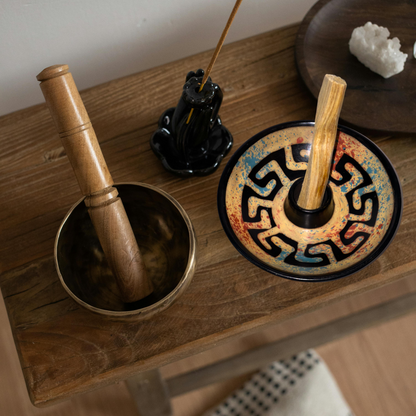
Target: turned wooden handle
[330,99]
[104,206]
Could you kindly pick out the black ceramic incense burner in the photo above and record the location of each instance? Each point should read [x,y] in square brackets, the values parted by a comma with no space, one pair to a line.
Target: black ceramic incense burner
[190,139]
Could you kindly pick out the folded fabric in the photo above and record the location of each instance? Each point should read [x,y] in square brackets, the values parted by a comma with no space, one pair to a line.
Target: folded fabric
[298,386]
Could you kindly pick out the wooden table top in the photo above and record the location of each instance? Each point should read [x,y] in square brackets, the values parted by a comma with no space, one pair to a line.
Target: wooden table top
[64,349]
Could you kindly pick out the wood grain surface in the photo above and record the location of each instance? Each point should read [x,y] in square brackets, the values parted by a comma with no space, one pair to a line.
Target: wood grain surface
[371,101]
[65,350]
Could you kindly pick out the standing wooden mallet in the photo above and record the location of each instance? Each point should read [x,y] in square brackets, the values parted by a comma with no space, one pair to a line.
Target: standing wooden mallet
[105,208]
[330,99]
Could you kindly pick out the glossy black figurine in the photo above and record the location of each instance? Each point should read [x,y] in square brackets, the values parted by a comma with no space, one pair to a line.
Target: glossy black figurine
[195,146]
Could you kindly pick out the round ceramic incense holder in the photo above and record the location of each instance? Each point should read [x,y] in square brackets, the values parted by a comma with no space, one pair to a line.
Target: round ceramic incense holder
[258,210]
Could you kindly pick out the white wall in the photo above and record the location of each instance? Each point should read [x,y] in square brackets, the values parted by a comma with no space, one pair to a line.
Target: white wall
[105,39]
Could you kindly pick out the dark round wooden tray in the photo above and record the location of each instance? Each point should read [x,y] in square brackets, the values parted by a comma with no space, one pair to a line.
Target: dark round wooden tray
[371,101]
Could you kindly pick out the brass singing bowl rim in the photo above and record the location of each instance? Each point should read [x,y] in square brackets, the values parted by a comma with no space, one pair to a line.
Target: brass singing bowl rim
[162,304]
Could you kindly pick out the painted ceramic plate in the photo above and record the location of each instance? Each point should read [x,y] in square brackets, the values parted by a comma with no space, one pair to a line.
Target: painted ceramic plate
[371,101]
[256,182]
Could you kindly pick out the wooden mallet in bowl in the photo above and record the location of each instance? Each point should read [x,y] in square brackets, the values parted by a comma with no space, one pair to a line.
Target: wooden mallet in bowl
[105,208]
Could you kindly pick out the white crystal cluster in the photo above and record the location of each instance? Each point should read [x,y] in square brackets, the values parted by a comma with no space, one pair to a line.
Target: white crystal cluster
[371,46]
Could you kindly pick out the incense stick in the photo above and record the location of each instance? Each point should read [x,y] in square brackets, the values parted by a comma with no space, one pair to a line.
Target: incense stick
[217,50]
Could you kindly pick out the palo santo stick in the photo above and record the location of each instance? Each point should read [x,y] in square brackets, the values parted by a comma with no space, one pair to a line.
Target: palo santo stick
[217,50]
[330,99]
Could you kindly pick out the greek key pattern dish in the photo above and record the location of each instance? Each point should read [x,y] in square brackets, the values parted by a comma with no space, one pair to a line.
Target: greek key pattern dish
[255,185]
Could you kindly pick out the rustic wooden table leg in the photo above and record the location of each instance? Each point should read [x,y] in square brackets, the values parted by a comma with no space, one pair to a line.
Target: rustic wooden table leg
[150,393]
[253,360]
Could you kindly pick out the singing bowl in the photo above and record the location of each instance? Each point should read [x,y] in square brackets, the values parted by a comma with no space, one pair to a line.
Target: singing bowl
[166,239]
[253,196]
